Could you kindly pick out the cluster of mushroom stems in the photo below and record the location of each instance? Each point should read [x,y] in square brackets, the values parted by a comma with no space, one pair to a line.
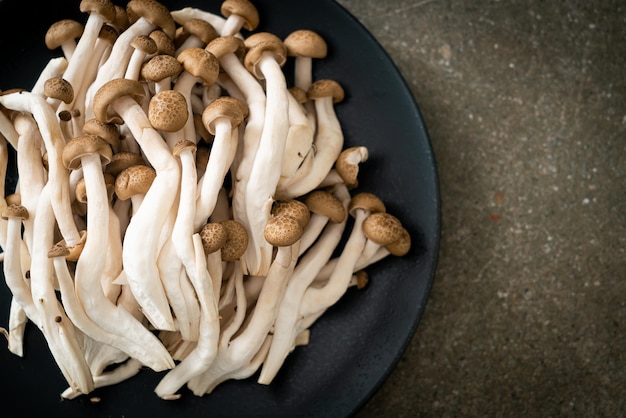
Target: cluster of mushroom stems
[181,205]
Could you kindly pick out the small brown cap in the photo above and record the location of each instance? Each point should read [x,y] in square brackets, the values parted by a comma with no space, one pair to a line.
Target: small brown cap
[15,210]
[104,8]
[366,201]
[122,160]
[110,132]
[306,43]
[59,250]
[165,44]
[237,240]
[167,110]
[382,228]
[293,208]
[214,236]
[134,180]
[201,63]
[83,145]
[153,11]
[283,230]
[161,66]
[326,204]
[144,43]
[227,44]
[201,29]
[258,45]
[111,91]
[183,145]
[347,164]
[228,107]
[59,88]
[325,88]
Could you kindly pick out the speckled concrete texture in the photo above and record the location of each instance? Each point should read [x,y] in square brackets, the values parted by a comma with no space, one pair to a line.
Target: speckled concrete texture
[526,109]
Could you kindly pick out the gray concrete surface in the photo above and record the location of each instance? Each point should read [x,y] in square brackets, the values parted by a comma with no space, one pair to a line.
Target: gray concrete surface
[525,104]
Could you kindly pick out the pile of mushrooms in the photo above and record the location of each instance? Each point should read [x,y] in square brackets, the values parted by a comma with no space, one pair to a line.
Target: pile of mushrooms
[181,204]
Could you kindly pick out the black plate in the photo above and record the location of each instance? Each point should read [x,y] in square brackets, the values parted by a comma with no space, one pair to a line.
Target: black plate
[356,344]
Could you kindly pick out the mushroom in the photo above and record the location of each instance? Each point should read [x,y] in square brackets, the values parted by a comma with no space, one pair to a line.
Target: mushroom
[63,34]
[165,44]
[305,45]
[286,324]
[221,118]
[115,101]
[161,69]
[284,232]
[325,207]
[144,47]
[199,33]
[180,16]
[265,57]
[239,14]
[346,169]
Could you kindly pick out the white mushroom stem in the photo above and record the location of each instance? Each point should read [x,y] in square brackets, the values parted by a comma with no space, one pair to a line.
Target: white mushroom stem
[205,351]
[362,262]
[242,349]
[299,138]
[54,68]
[265,171]
[17,327]
[182,15]
[119,374]
[7,130]
[54,142]
[55,325]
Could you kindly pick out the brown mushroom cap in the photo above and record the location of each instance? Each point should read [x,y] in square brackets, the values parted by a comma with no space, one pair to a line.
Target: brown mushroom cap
[183,145]
[110,132]
[167,110]
[299,94]
[382,228]
[76,250]
[227,107]
[121,22]
[243,8]
[58,250]
[165,44]
[362,279]
[13,198]
[161,66]
[121,160]
[347,164]
[402,245]
[104,8]
[144,43]
[201,29]
[111,91]
[237,240]
[108,33]
[153,11]
[223,45]
[83,145]
[306,43]
[59,88]
[325,88]
[214,236]
[326,204]
[293,208]
[15,210]
[200,63]
[61,31]
[367,201]
[134,180]
[80,191]
[258,45]
[283,230]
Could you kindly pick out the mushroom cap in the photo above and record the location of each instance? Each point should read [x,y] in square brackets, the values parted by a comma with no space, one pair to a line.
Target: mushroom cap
[214,236]
[134,180]
[153,11]
[165,44]
[58,250]
[122,160]
[299,94]
[402,245]
[104,8]
[108,33]
[366,201]
[200,63]
[84,145]
[237,240]
[283,230]
[110,132]
[223,45]
[362,279]
[347,164]
[243,8]
[227,107]
[15,210]
[167,110]
[293,208]
[144,43]
[306,43]
[121,22]
[201,130]
[77,249]
[201,29]
[325,88]
[326,204]
[183,145]
[112,90]
[382,228]
[80,191]
[59,88]
[61,31]
[161,66]
[258,45]
[13,198]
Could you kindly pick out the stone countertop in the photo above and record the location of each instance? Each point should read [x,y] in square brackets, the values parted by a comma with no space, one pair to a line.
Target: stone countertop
[525,105]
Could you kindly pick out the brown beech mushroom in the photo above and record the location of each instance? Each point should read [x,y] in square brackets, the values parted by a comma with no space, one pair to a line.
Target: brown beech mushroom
[64,34]
[305,45]
[239,14]
[161,69]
